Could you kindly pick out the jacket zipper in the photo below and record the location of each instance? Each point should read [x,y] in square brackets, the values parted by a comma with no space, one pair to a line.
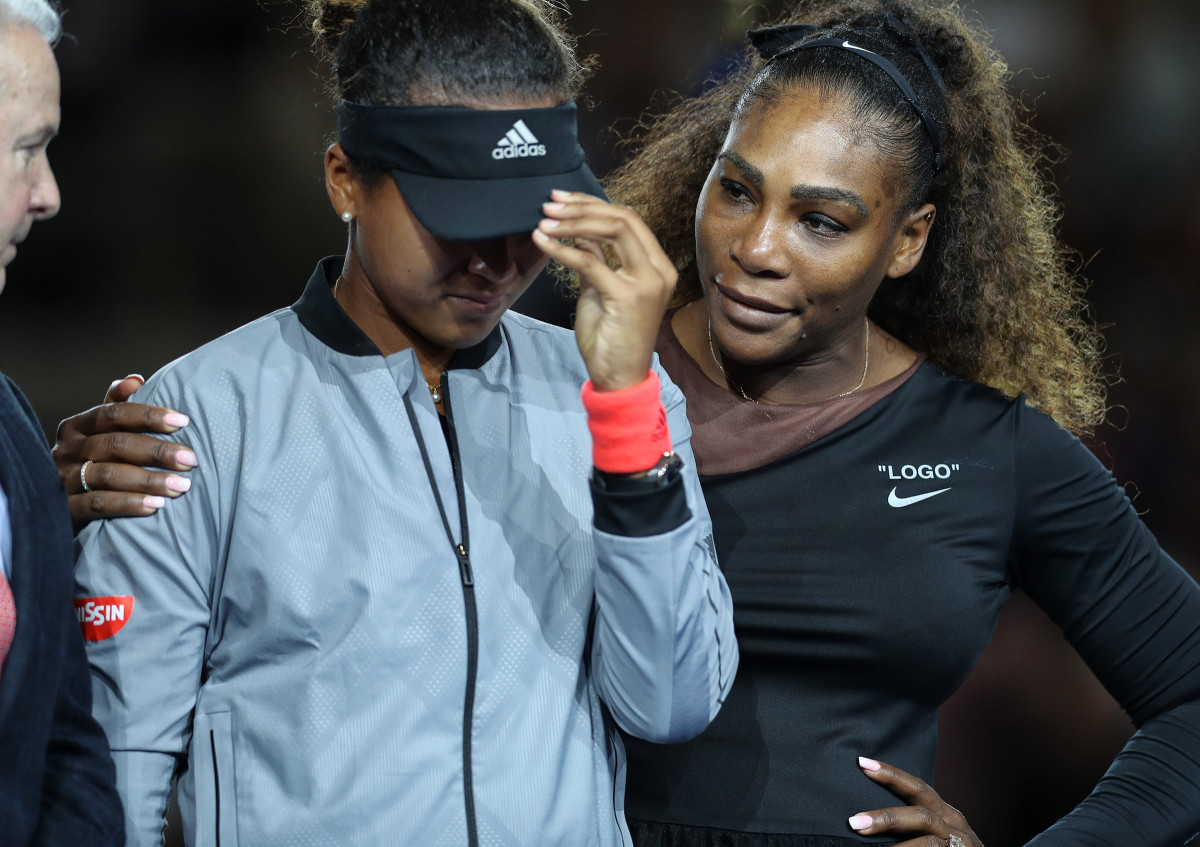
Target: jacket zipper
[467,576]
[212,740]
[472,613]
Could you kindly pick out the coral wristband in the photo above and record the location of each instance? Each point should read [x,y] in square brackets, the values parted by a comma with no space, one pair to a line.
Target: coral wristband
[629,427]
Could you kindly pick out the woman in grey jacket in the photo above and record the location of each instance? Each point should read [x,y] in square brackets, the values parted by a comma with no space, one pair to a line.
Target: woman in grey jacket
[391,608]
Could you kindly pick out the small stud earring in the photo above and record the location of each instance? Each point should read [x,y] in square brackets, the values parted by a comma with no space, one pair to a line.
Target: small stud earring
[347,217]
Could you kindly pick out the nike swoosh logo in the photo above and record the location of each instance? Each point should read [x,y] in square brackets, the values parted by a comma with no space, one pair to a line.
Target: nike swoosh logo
[897,502]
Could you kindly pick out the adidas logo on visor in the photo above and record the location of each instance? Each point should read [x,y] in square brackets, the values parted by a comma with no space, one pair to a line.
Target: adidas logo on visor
[518,143]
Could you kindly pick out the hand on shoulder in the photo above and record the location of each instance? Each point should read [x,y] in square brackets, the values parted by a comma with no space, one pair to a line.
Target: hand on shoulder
[102,454]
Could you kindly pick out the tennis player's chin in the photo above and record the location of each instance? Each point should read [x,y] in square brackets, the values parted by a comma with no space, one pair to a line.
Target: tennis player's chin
[463,331]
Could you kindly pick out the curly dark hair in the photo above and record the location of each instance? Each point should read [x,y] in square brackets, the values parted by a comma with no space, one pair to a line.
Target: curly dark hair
[993,299]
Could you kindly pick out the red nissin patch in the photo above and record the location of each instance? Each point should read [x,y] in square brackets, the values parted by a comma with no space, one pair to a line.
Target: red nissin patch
[102,617]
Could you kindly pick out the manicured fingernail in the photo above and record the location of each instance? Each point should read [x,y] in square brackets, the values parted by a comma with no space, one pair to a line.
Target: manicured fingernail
[868,764]
[538,235]
[176,419]
[559,194]
[178,483]
[546,223]
[138,377]
[553,207]
[186,457]
[860,822]
[154,502]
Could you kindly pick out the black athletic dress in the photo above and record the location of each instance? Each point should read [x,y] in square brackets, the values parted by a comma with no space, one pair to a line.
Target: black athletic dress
[867,571]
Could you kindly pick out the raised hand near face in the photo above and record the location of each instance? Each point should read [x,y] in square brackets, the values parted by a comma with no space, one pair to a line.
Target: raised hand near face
[101,455]
[933,822]
[619,310]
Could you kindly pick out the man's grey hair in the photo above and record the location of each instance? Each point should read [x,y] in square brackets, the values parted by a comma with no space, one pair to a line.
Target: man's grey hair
[36,13]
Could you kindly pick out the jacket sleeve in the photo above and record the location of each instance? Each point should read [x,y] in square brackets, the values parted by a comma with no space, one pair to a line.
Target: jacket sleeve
[146,672]
[1133,614]
[663,652]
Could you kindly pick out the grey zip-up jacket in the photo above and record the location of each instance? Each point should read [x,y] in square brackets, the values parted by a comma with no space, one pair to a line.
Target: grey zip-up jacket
[327,656]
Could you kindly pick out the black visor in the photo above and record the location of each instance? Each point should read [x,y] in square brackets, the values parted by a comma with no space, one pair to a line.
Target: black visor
[470,174]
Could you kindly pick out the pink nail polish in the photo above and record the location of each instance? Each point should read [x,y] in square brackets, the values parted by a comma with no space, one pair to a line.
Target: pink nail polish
[178,483]
[154,502]
[176,419]
[186,457]
[868,764]
[860,822]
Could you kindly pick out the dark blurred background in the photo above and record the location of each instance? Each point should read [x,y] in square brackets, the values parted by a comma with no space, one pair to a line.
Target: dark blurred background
[193,201]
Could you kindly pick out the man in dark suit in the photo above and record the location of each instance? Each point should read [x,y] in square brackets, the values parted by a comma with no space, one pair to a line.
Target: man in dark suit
[56,775]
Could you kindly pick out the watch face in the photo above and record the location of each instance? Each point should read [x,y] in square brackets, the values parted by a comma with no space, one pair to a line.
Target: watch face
[669,468]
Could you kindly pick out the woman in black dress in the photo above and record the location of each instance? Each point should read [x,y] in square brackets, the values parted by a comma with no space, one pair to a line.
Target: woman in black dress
[885,359]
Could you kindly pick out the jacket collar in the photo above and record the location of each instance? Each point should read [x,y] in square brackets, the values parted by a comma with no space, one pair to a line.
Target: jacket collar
[321,315]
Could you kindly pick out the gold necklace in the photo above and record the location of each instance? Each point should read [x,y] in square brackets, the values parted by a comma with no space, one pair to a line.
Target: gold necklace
[861,382]
[721,367]
[434,391]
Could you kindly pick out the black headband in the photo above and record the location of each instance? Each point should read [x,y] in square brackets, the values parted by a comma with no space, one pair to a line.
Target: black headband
[773,42]
[470,174]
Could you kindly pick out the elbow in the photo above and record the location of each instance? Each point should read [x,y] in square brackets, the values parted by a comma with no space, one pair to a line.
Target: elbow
[683,725]
[685,730]
[664,733]
[687,716]
[688,722]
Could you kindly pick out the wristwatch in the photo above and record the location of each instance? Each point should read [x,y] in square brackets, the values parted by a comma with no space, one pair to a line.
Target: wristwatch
[661,475]
[667,469]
